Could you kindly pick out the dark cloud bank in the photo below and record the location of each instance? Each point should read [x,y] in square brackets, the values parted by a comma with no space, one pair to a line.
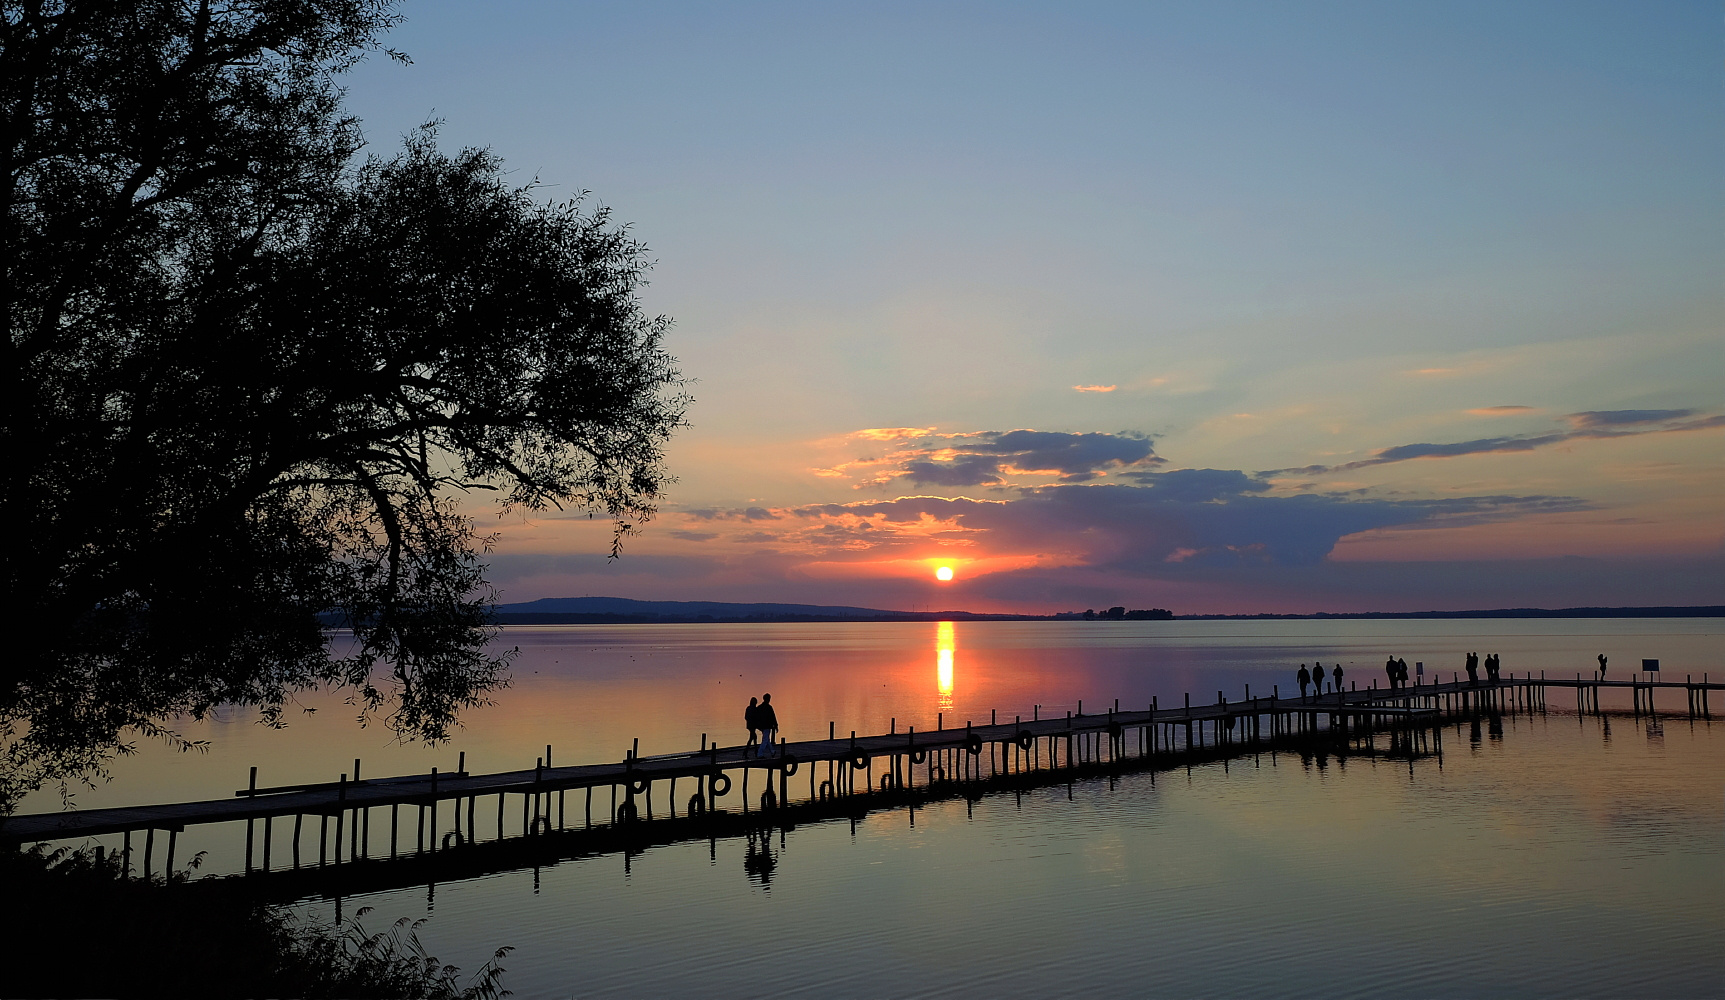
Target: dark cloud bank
[1188,517]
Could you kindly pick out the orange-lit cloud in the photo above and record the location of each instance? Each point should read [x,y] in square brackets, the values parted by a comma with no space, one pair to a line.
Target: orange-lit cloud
[892,433]
[1095,388]
[1499,411]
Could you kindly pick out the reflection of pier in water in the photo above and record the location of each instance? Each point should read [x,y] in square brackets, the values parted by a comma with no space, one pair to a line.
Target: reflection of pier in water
[450,838]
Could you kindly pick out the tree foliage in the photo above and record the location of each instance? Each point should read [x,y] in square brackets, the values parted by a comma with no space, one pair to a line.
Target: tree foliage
[251,373]
[78,926]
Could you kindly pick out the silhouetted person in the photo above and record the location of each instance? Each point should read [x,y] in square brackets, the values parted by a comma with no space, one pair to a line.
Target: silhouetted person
[769,723]
[1390,669]
[1491,665]
[1473,668]
[1318,679]
[1304,677]
[1402,671]
[751,718]
[1601,666]
[1337,673]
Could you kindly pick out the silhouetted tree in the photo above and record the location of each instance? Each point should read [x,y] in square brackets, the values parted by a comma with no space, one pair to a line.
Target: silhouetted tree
[247,371]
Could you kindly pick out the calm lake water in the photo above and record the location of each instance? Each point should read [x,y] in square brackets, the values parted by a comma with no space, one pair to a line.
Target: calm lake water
[1563,855]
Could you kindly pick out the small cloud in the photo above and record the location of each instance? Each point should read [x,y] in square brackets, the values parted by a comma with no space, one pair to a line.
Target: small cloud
[1433,371]
[1625,418]
[1402,453]
[1499,411]
[1095,388]
[694,536]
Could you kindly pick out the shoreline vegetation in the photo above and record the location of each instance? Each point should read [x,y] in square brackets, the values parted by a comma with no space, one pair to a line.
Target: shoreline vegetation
[75,927]
[625,611]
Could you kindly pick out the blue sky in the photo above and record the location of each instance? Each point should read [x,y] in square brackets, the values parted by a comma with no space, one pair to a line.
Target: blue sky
[1290,237]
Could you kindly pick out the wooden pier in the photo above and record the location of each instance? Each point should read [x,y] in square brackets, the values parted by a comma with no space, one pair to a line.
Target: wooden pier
[291,826]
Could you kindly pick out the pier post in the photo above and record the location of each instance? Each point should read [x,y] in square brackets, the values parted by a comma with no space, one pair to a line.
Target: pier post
[353,835]
[251,793]
[340,814]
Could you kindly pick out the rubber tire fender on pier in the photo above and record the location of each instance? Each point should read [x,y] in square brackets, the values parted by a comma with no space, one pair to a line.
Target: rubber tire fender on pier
[1114,730]
[627,813]
[1025,739]
[973,744]
[788,764]
[719,782]
[858,759]
[918,756]
[637,786]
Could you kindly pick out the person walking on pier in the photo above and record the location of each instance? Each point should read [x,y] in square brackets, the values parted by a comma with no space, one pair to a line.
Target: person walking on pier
[1601,666]
[1336,672]
[769,723]
[1402,671]
[1491,665]
[1390,669]
[1473,668]
[1318,680]
[751,718]
[1304,677]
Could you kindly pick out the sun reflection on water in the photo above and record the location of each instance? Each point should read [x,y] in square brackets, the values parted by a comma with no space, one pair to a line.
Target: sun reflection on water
[943,647]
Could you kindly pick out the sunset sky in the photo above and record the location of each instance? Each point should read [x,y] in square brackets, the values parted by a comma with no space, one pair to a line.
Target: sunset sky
[1214,307]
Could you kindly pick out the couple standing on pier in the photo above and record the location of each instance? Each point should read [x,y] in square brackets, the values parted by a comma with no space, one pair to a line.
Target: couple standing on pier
[761,718]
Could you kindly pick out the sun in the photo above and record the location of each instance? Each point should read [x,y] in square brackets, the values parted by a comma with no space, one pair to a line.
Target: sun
[943,573]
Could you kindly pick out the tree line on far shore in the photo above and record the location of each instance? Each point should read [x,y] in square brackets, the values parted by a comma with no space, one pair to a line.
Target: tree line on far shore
[1120,614]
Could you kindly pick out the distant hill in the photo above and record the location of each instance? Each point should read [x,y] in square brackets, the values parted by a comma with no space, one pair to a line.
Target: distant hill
[624,611]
